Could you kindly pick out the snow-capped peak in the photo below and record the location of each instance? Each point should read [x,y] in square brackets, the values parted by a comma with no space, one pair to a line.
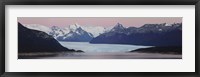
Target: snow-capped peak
[168,25]
[74,27]
[79,31]
[94,30]
[57,31]
[118,27]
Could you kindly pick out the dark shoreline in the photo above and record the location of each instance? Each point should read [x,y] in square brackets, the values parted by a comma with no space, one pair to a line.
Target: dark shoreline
[106,55]
[35,55]
[160,50]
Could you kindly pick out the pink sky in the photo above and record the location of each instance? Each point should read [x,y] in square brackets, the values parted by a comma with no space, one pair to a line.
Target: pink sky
[98,21]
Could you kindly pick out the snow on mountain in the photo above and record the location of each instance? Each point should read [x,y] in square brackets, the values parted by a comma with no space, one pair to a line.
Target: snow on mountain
[68,31]
[78,35]
[65,30]
[148,34]
[56,31]
[94,30]
[168,24]
[119,28]
[73,27]
[38,27]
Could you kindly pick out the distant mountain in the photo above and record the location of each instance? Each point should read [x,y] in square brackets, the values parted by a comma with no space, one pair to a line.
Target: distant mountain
[148,35]
[37,41]
[94,30]
[57,31]
[119,28]
[77,35]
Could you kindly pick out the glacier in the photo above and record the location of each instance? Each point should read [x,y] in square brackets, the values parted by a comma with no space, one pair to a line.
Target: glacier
[87,47]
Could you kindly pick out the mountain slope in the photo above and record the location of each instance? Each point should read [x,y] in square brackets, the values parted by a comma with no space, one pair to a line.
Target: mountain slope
[148,35]
[77,35]
[37,41]
[56,31]
[94,30]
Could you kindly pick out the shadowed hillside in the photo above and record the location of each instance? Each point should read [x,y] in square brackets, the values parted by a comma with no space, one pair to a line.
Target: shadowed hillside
[37,41]
[147,35]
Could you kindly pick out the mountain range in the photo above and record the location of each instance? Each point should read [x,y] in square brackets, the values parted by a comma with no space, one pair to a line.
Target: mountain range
[75,33]
[148,35]
[78,35]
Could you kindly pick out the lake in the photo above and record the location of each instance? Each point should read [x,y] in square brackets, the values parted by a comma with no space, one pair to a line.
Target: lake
[88,47]
[99,51]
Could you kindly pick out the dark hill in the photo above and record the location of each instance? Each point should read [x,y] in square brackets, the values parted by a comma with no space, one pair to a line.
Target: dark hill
[37,41]
[162,50]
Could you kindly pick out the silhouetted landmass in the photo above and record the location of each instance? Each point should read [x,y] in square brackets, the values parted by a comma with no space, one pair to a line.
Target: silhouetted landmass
[163,50]
[38,55]
[37,41]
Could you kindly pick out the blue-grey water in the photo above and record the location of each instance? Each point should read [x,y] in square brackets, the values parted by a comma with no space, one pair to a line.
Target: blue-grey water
[100,51]
[107,51]
[88,47]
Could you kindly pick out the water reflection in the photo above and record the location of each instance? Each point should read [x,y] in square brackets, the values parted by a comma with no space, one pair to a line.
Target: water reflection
[114,55]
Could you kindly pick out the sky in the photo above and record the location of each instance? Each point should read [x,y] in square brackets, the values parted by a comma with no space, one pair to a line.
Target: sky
[98,21]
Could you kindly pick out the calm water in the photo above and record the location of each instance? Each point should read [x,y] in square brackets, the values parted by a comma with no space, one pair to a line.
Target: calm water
[101,51]
[87,47]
